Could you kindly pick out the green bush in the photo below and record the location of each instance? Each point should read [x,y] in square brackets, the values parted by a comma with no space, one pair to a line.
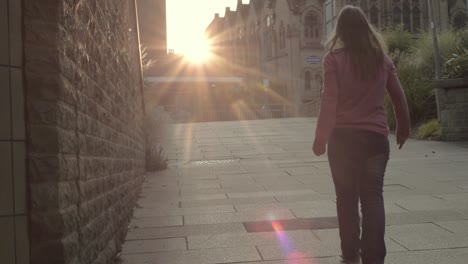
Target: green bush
[429,130]
[414,60]
[456,65]
[418,90]
[423,52]
[398,40]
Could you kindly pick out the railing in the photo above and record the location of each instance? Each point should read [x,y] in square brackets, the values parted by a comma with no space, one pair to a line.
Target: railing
[252,112]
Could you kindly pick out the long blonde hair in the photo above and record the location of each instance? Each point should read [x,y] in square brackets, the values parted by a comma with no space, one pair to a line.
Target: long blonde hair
[364,45]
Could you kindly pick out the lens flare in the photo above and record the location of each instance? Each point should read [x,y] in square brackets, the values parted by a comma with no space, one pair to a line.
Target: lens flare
[288,249]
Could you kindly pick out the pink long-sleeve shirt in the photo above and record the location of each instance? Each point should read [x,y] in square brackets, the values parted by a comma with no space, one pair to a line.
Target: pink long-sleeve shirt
[348,102]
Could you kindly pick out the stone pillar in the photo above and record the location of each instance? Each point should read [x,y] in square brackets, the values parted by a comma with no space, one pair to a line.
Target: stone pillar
[453,105]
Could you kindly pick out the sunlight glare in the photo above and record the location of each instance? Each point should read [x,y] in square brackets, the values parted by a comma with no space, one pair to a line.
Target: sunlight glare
[197,50]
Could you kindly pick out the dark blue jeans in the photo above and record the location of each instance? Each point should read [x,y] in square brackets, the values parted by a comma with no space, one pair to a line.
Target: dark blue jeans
[358,160]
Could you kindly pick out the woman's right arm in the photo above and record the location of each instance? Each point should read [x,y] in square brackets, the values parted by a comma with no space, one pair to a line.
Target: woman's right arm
[327,116]
[400,105]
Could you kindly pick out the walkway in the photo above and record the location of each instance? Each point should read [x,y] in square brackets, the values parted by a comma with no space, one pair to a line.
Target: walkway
[252,192]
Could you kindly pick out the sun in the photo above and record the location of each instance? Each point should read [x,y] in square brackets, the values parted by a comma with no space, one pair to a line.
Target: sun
[197,50]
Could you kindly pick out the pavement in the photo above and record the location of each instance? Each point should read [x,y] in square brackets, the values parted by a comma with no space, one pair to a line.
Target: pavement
[253,192]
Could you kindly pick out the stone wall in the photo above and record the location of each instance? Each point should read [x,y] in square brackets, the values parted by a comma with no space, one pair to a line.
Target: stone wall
[84,126]
[453,107]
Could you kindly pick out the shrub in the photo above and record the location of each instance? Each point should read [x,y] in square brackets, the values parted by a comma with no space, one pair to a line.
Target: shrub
[429,130]
[418,90]
[414,60]
[398,40]
[154,127]
[456,65]
[423,52]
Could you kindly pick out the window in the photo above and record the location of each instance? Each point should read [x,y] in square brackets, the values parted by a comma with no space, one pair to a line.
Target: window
[406,16]
[319,81]
[460,21]
[307,81]
[282,36]
[252,45]
[267,40]
[370,8]
[416,19]
[311,26]
[396,15]
[408,13]
[274,42]
[374,15]
[364,6]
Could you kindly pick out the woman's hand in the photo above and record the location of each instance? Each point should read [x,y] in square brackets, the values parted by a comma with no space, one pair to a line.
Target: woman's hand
[318,148]
[401,137]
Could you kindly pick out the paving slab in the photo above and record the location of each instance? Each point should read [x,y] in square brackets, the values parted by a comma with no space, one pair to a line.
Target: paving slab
[417,217]
[154,245]
[294,251]
[250,239]
[459,228]
[183,231]
[425,236]
[253,192]
[161,221]
[203,256]
[153,212]
[291,205]
[238,217]
[330,238]
[445,256]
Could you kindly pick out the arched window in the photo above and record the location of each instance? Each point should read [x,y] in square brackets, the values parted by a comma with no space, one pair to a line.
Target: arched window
[406,16]
[274,42]
[282,36]
[266,44]
[408,13]
[460,21]
[307,81]
[396,15]
[374,15]
[311,26]
[319,81]
[416,19]
[364,6]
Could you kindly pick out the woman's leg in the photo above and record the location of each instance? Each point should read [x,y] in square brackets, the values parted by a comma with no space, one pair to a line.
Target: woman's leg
[372,206]
[344,164]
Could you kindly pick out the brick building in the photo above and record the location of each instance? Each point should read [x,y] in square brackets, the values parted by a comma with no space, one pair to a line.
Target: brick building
[72,146]
[279,42]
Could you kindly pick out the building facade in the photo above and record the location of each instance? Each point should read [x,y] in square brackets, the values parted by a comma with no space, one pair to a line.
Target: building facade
[279,43]
[153,27]
[72,146]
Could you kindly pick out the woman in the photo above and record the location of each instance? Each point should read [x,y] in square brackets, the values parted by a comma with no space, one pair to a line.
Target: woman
[352,121]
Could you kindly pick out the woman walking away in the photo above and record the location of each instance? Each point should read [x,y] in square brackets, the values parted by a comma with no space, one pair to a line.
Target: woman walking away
[352,121]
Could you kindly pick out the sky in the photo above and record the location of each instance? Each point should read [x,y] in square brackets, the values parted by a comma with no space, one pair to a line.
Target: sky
[188,19]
